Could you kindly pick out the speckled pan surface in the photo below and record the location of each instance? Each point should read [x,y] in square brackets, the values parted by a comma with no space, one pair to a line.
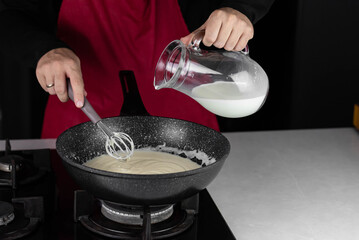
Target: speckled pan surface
[85,141]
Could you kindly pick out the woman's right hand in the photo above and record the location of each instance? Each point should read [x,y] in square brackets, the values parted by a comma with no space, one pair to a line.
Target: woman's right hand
[54,68]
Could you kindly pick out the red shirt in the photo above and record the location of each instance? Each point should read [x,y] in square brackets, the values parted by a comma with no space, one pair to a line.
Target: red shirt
[113,35]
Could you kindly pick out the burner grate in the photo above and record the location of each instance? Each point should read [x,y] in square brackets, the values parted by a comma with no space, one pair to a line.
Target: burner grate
[27,213]
[94,217]
[134,215]
[179,222]
[6,213]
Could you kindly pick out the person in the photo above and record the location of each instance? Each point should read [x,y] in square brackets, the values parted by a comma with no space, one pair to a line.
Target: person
[94,40]
[97,39]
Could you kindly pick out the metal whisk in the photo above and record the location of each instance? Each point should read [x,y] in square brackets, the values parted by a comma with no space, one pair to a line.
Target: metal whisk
[118,144]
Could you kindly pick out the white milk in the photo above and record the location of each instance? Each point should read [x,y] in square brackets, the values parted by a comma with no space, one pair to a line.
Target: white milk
[227,100]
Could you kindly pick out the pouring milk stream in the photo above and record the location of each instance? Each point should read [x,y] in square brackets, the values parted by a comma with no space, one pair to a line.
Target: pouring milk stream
[228,84]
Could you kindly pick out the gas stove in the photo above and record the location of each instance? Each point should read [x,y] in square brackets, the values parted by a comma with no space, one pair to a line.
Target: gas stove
[27,193]
[28,206]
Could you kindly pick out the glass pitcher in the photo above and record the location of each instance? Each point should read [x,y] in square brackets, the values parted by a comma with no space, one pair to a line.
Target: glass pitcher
[228,84]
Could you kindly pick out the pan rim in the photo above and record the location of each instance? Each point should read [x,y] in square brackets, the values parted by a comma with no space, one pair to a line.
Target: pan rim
[144,176]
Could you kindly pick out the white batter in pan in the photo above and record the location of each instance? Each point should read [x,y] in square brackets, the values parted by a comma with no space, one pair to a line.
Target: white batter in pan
[143,162]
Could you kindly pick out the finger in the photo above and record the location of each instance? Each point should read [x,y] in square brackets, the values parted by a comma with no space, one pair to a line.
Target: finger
[233,39]
[50,84]
[187,39]
[51,90]
[223,35]
[242,42]
[59,78]
[60,87]
[42,81]
[77,87]
[212,26]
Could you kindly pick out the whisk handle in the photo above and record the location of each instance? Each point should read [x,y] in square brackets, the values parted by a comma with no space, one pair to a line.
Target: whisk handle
[86,108]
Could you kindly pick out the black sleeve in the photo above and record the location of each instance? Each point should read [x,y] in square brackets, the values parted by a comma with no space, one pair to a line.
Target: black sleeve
[28,29]
[196,12]
[253,9]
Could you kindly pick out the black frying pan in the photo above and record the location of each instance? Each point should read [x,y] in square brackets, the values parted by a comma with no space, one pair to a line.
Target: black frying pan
[85,141]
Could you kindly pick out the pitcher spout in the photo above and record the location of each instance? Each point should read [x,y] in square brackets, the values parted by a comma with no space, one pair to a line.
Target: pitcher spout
[172,66]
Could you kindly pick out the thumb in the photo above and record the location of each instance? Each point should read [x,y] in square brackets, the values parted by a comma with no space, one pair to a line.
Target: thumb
[187,39]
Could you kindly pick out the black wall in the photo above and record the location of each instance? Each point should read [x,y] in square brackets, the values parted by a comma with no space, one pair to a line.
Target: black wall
[325,81]
[309,49]
[22,101]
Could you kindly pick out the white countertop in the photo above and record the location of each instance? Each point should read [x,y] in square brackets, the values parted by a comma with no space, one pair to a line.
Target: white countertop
[291,185]
[29,144]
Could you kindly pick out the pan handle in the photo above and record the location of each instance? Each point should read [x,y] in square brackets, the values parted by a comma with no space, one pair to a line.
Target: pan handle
[86,108]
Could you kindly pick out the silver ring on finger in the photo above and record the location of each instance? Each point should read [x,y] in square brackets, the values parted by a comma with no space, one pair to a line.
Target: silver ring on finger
[50,85]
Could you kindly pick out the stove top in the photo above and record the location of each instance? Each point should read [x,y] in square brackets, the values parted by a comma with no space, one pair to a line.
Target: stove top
[207,224]
[28,210]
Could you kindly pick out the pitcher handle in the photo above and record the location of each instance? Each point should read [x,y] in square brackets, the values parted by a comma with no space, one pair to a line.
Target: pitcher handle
[198,37]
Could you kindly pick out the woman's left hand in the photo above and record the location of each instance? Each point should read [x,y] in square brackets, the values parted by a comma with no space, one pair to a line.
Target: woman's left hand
[225,28]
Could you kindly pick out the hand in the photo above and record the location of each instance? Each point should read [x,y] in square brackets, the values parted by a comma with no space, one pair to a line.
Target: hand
[225,28]
[54,67]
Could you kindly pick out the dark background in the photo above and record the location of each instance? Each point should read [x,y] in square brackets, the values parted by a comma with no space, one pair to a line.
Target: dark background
[309,50]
